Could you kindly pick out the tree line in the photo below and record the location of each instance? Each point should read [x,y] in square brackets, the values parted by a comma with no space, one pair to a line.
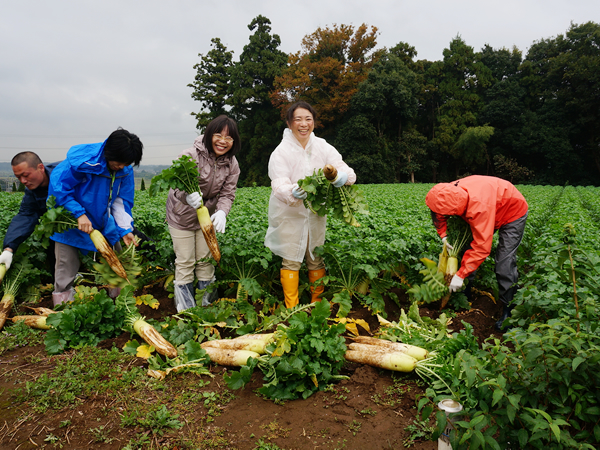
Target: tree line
[394,118]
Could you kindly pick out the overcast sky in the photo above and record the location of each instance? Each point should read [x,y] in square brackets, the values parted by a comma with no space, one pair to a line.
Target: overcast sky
[72,71]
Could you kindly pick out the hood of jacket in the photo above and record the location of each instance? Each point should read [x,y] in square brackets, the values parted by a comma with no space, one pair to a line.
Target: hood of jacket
[448,199]
[88,158]
[289,138]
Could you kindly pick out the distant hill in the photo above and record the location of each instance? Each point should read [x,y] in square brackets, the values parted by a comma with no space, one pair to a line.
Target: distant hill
[7,178]
[5,168]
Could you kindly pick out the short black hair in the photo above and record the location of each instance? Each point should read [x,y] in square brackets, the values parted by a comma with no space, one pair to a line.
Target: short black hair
[289,115]
[32,159]
[217,125]
[123,147]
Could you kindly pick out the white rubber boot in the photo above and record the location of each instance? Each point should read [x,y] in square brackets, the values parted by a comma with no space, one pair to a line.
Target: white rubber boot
[208,297]
[62,297]
[184,296]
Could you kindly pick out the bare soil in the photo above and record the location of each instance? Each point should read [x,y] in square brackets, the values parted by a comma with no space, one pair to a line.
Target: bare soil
[370,410]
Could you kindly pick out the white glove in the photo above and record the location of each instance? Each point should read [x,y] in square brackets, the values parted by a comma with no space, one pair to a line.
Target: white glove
[6,258]
[194,200]
[219,219]
[340,180]
[456,283]
[122,219]
[298,192]
[445,242]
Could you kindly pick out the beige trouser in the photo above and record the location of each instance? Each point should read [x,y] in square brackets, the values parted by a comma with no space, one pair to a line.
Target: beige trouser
[190,247]
[312,264]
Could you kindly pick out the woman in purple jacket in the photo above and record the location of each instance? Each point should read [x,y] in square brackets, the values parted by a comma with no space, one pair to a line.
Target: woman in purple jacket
[218,173]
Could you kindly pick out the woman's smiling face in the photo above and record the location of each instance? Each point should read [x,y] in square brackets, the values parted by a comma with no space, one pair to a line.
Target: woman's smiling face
[302,125]
[222,142]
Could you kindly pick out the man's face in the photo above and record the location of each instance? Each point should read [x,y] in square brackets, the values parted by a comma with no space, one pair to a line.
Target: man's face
[115,166]
[31,177]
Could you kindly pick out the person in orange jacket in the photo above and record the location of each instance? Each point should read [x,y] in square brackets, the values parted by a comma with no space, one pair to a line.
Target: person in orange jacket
[487,204]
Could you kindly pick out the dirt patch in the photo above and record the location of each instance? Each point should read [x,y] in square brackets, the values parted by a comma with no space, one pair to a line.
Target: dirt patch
[372,409]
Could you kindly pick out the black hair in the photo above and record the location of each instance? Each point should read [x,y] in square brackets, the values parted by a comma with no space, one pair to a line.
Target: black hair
[289,115]
[435,218]
[123,147]
[32,159]
[216,126]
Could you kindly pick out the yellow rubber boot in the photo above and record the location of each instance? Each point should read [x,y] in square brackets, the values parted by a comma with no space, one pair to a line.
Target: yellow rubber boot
[315,275]
[289,281]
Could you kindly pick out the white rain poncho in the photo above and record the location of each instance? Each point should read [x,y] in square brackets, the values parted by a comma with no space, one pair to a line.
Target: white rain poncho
[291,226]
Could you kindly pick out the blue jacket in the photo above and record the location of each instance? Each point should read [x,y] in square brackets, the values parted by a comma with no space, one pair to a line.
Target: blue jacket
[83,184]
[32,207]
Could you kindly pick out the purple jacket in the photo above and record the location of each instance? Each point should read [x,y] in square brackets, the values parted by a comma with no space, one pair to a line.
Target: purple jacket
[217,180]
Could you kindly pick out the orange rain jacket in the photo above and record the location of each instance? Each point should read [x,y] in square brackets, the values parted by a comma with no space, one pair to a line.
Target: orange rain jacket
[485,203]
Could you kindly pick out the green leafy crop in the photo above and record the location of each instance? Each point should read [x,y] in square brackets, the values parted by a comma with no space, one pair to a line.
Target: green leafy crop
[303,359]
[79,325]
[343,203]
[181,175]
[56,219]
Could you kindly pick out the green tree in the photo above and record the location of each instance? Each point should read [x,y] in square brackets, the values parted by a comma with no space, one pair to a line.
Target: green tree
[412,148]
[251,81]
[388,96]
[365,151]
[211,84]
[503,63]
[143,185]
[560,97]
[463,80]
[388,99]
[471,147]
[575,70]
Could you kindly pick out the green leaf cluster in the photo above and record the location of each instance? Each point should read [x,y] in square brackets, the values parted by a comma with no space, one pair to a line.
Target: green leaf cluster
[56,219]
[132,263]
[343,203]
[532,390]
[434,285]
[305,356]
[84,324]
[181,175]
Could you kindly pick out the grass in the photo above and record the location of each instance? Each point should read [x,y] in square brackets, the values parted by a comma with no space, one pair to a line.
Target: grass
[393,394]
[19,335]
[419,430]
[79,374]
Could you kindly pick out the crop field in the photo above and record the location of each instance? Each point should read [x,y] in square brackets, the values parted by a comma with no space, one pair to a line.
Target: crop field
[534,386]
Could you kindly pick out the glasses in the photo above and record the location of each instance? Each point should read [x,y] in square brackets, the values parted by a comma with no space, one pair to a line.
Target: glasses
[220,137]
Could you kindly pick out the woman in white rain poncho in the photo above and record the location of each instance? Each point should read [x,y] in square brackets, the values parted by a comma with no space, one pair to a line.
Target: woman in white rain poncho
[294,231]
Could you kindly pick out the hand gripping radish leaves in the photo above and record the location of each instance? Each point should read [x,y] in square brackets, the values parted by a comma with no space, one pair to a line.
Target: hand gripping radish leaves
[343,203]
[437,276]
[58,219]
[183,176]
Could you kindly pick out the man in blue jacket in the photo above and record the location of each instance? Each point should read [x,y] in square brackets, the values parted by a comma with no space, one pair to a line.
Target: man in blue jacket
[31,172]
[95,183]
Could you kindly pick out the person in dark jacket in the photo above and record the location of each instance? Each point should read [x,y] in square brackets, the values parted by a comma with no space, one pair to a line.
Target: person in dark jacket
[95,183]
[31,172]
